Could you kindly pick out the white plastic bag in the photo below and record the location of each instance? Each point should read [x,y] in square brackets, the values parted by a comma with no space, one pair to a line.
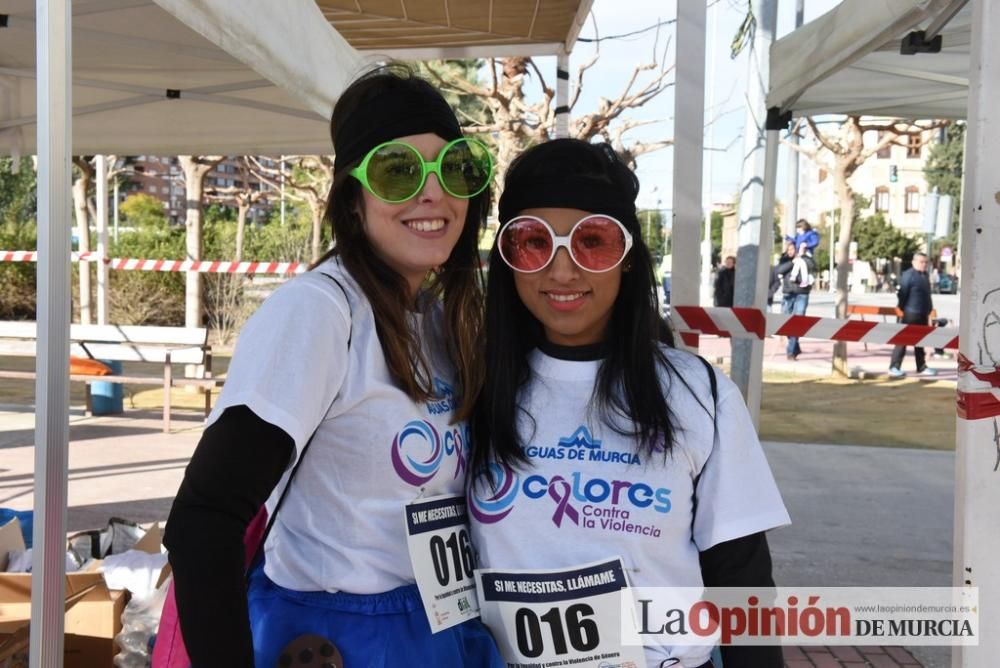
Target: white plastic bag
[140,622]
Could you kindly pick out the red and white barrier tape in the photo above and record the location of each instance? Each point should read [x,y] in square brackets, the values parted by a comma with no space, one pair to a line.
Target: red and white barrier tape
[201,266]
[978,386]
[978,390]
[752,323]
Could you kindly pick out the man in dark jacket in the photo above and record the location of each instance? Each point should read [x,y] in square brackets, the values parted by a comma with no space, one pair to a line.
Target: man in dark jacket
[725,283]
[798,271]
[914,300]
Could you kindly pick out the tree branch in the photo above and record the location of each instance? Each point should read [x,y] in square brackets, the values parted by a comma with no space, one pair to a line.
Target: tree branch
[821,138]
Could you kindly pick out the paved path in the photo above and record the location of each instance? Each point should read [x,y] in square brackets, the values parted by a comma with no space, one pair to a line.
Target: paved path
[849,657]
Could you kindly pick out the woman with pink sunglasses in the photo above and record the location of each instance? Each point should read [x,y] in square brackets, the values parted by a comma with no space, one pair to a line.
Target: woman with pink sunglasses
[595,441]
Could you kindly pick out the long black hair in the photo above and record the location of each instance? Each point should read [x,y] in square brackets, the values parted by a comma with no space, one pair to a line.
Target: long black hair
[629,393]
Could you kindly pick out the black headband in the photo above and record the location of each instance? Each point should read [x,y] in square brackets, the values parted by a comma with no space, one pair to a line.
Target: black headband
[594,194]
[395,112]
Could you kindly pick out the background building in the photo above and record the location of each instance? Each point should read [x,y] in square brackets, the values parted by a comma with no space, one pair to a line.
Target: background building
[892,179]
[163,178]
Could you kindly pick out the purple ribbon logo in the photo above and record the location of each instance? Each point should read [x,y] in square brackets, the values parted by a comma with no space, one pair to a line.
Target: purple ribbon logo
[561,492]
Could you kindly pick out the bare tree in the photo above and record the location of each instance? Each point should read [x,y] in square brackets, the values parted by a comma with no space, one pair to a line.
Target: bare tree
[196,168]
[516,123]
[245,197]
[841,152]
[308,181]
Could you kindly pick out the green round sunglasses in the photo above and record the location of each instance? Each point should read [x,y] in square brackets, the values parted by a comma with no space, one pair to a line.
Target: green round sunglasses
[396,171]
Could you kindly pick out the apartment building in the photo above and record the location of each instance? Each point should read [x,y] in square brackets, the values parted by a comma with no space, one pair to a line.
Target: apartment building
[162,177]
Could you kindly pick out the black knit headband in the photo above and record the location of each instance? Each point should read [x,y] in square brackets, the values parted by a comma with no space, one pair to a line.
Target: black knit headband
[393,113]
[593,194]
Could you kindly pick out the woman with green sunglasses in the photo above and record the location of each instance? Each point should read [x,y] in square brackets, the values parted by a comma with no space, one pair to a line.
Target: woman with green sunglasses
[356,370]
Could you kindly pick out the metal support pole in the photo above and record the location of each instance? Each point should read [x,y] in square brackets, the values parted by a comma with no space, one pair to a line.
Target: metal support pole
[689,145]
[792,197]
[562,95]
[753,255]
[102,239]
[706,243]
[977,456]
[54,102]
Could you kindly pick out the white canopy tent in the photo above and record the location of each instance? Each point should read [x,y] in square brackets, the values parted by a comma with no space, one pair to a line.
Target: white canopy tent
[849,60]
[852,60]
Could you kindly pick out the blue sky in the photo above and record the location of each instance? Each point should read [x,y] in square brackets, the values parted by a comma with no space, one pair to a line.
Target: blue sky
[618,57]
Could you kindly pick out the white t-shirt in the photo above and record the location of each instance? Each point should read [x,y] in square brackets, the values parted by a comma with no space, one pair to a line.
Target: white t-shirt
[341,526]
[588,494]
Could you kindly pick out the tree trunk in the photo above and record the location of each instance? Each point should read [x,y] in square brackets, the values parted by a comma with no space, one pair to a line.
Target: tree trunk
[316,207]
[193,189]
[241,224]
[80,188]
[196,168]
[846,196]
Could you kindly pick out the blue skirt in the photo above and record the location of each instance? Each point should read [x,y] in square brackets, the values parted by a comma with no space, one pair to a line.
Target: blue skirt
[387,630]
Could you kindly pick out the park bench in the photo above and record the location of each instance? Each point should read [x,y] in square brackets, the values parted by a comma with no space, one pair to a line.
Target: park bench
[123,343]
[884,311]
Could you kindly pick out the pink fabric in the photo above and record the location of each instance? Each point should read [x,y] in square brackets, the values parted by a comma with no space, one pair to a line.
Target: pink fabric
[169,650]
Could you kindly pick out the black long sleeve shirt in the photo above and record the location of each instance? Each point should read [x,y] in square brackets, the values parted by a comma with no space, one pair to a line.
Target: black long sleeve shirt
[237,464]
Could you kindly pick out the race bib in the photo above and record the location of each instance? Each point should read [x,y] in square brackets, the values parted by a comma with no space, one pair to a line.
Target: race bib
[437,533]
[564,617]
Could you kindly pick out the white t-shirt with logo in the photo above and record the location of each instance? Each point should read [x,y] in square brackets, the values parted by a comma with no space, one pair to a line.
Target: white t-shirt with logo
[589,494]
[341,526]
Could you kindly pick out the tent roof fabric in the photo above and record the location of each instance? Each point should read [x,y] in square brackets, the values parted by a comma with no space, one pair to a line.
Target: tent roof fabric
[146,82]
[202,77]
[473,28]
[849,61]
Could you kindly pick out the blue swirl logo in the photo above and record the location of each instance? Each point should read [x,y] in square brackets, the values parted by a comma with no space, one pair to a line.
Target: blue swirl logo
[490,504]
[418,436]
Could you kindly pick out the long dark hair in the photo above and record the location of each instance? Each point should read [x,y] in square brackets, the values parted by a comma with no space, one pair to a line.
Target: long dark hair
[458,281]
[629,393]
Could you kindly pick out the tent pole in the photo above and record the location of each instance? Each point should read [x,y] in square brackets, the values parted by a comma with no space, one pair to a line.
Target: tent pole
[689,144]
[709,195]
[54,62]
[792,193]
[102,239]
[562,95]
[754,239]
[977,456]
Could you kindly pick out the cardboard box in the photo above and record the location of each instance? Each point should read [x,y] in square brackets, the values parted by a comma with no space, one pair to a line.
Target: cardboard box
[91,622]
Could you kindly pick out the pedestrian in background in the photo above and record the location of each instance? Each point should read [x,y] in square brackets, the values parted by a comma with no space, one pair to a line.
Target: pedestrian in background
[914,300]
[805,234]
[725,282]
[798,271]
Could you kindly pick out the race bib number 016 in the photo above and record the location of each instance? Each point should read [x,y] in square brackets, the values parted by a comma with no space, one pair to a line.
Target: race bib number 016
[551,618]
[437,532]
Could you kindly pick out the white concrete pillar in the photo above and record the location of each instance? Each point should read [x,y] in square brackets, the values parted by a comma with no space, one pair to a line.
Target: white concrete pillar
[977,462]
